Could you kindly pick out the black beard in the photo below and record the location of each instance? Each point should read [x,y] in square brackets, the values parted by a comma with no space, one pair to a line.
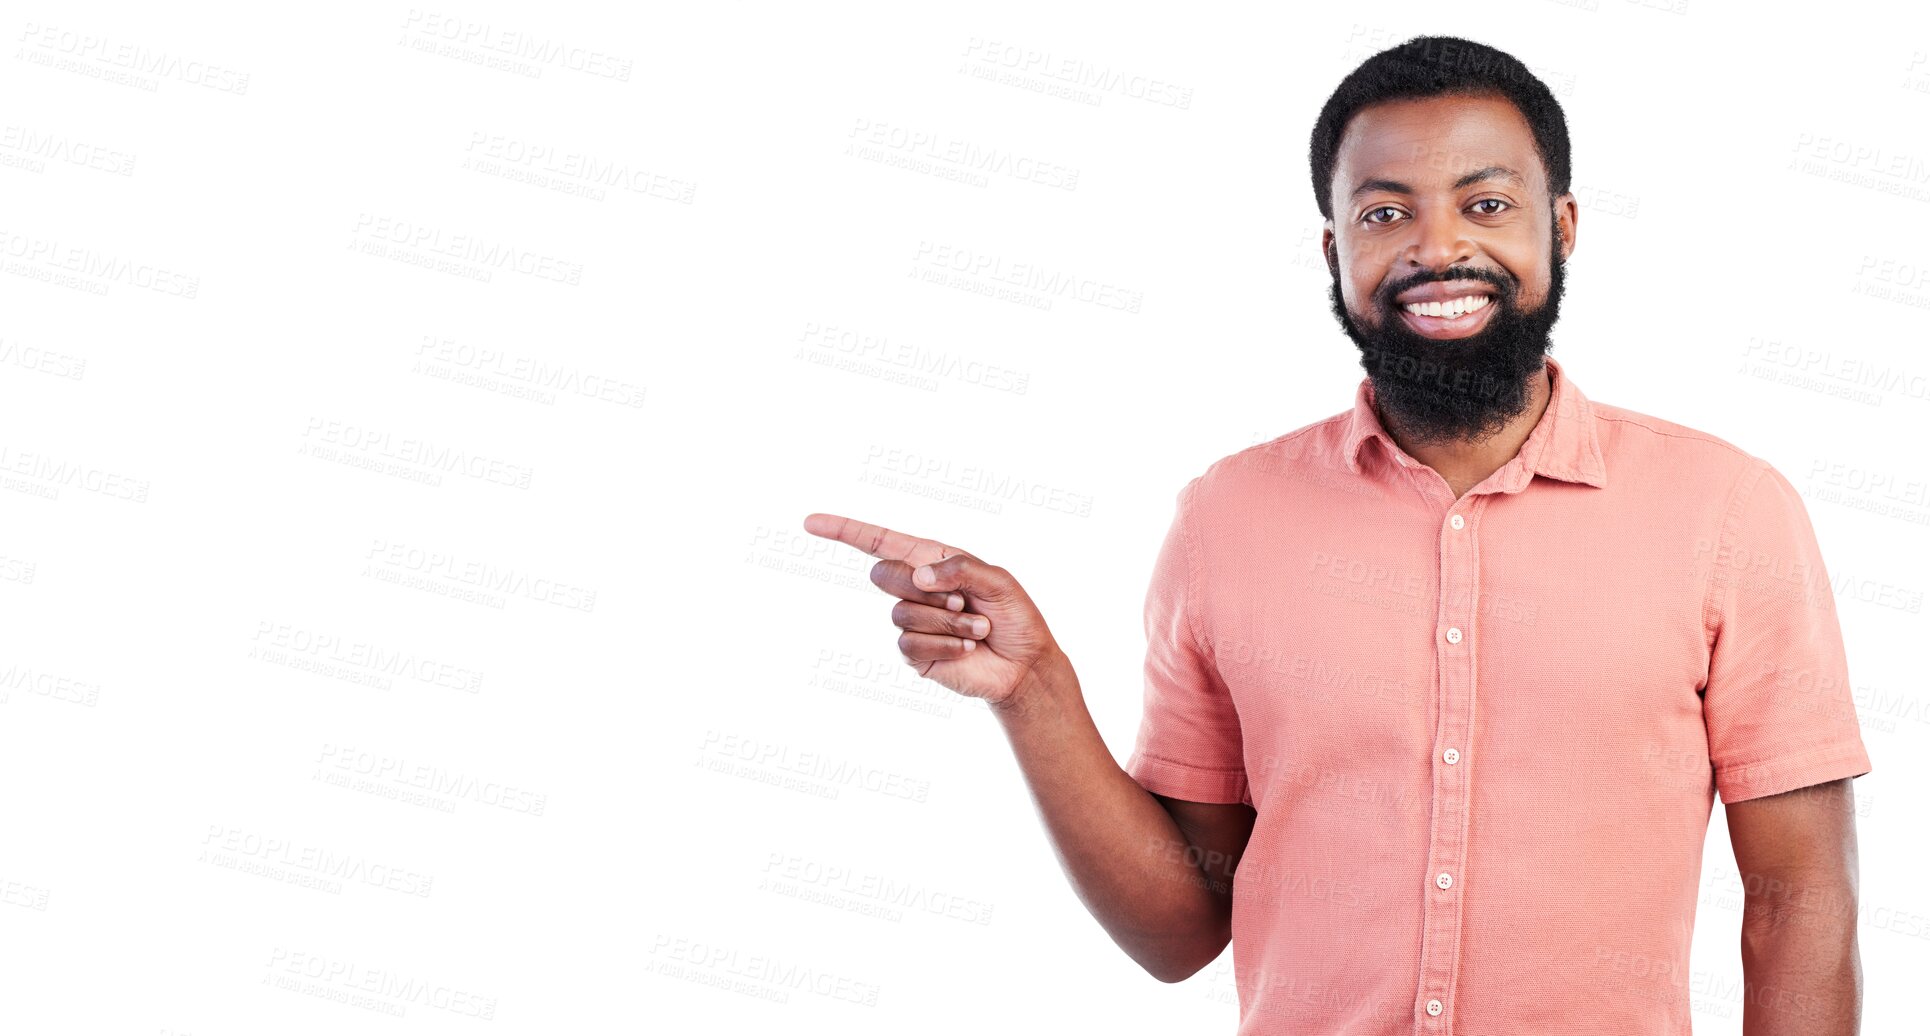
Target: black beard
[1437,391]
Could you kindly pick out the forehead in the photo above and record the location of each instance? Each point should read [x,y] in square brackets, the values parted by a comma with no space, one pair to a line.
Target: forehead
[1429,142]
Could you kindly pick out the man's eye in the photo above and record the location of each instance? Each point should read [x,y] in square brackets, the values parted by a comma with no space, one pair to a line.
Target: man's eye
[1493,201]
[1384,208]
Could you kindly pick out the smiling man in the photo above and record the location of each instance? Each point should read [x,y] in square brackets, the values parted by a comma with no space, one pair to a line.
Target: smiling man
[1440,690]
[1456,223]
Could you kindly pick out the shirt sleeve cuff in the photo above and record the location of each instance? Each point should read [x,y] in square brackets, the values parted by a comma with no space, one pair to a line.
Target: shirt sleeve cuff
[1189,783]
[1746,781]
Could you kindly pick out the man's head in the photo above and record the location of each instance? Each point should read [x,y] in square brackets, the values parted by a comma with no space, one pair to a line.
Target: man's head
[1441,168]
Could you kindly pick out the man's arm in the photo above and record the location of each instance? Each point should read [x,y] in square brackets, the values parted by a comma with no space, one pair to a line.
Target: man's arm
[1797,855]
[1156,873]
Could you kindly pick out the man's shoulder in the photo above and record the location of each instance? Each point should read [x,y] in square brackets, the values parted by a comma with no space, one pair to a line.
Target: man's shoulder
[1634,437]
[1311,451]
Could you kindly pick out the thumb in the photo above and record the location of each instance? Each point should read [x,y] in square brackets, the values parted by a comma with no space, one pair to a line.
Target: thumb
[964,572]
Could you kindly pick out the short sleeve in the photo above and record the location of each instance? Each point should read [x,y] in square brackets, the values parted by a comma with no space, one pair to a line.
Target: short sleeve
[1189,734]
[1778,703]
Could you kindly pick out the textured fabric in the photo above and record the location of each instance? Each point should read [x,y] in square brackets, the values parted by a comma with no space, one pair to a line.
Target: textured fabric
[1484,757]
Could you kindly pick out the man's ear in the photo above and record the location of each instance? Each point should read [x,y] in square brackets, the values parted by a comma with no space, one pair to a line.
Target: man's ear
[1330,248]
[1567,214]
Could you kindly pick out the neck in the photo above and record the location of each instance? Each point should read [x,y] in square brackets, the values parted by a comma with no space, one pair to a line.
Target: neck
[1465,463]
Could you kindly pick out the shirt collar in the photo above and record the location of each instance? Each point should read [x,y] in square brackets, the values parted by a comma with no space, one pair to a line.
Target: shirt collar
[1562,444]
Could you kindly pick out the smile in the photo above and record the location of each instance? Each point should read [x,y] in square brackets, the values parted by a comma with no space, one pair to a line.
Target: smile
[1452,318]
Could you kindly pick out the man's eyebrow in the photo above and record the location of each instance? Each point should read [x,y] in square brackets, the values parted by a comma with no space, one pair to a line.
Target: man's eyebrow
[1394,186]
[1493,172]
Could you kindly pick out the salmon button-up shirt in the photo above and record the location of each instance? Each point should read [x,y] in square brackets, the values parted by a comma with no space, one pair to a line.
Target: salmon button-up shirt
[1483,735]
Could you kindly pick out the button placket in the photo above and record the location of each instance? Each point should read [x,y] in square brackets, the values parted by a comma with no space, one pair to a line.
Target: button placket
[1447,846]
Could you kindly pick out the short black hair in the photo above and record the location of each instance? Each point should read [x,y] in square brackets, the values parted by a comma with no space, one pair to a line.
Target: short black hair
[1433,66]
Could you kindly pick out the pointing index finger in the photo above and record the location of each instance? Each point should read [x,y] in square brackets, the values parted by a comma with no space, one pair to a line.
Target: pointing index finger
[878,541]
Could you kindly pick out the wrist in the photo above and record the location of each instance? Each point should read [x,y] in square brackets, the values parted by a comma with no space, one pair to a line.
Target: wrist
[1045,684]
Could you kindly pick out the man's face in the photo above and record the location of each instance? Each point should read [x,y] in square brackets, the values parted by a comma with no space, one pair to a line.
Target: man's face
[1447,255]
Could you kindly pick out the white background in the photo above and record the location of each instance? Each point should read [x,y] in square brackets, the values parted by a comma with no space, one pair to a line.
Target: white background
[267,744]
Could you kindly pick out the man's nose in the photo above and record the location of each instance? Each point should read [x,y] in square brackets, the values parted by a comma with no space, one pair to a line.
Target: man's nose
[1438,242]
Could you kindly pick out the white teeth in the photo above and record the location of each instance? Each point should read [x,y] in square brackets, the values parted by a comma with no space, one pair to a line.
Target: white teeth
[1450,308]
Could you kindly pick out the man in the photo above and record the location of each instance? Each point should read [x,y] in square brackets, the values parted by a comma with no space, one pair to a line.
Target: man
[1439,690]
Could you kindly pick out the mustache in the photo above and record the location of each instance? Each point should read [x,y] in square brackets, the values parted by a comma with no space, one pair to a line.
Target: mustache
[1503,285]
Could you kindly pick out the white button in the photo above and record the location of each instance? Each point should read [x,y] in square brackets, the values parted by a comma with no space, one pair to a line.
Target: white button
[1456,521]
[1452,756]
[1443,880]
[1454,634]
[1433,1007]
